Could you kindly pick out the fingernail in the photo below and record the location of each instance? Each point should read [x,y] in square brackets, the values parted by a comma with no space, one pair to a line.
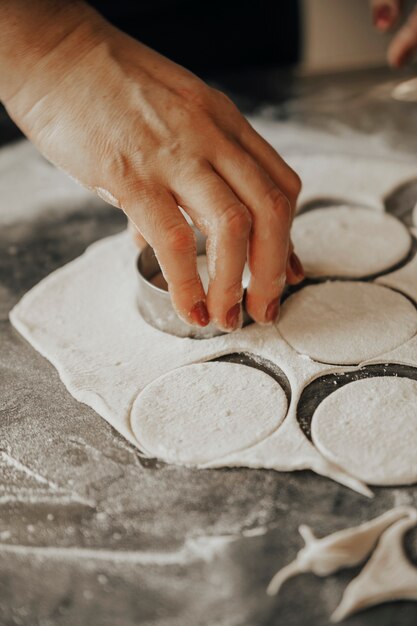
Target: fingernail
[199,314]
[296,265]
[272,311]
[383,16]
[233,316]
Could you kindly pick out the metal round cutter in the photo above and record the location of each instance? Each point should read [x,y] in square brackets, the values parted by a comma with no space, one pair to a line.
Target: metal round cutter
[155,304]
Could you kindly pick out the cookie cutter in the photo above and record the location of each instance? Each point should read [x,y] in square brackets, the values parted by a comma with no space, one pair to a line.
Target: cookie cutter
[155,304]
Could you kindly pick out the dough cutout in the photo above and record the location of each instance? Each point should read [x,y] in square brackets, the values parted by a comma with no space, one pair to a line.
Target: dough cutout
[349,241]
[346,322]
[198,413]
[370,427]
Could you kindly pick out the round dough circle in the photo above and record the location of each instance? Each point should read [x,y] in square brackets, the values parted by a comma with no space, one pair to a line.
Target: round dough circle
[346,322]
[201,412]
[369,428]
[349,241]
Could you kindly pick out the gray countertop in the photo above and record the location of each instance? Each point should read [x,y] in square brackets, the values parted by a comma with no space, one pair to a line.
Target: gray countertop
[90,533]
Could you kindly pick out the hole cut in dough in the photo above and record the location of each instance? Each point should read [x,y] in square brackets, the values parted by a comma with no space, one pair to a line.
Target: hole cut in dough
[369,428]
[159,281]
[201,412]
[346,322]
[349,241]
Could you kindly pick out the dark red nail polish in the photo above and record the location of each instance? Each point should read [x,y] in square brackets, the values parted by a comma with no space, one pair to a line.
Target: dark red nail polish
[383,16]
[296,266]
[272,311]
[233,316]
[199,314]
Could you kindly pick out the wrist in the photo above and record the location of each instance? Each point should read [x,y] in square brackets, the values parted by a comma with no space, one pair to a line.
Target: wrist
[40,41]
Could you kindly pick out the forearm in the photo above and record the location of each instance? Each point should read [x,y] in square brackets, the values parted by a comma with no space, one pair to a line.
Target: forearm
[31,34]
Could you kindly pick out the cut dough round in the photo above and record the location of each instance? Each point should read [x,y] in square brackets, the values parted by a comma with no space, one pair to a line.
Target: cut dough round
[346,322]
[349,241]
[369,428]
[199,413]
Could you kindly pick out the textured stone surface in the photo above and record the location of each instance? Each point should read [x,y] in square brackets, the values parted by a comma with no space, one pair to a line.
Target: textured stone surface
[92,534]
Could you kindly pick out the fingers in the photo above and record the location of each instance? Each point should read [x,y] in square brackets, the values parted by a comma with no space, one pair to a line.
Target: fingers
[285,178]
[269,240]
[385,13]
[173,240]
[277,169]
[224,219]
[404,43]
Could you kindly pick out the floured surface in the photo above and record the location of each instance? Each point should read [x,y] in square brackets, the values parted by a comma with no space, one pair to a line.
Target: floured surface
[346,322]
[201,412]
[370,427]
[30,186]
[349,241]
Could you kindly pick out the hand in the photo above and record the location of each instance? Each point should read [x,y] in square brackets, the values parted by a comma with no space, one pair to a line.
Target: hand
[149,136]
[386,14]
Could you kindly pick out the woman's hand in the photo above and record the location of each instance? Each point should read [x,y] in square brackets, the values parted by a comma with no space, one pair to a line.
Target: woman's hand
[386,14]
[149,136]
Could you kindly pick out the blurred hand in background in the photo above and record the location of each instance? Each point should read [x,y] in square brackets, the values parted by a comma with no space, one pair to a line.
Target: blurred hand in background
[386,15]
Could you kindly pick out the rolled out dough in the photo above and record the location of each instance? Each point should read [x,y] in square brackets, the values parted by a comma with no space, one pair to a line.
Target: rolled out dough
[370,427]
[200,412]
[84,318]
[346,322]
[349,241]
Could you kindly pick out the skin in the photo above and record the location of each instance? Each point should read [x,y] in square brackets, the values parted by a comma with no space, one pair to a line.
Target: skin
[148,136]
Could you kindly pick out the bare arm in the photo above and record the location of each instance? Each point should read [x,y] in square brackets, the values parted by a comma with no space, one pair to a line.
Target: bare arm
[149,136]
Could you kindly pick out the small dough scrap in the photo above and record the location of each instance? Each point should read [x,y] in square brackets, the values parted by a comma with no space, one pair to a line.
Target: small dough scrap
[388,575]
[349,241]
[369,428]
[344,548]
[201,412]
[346,322]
